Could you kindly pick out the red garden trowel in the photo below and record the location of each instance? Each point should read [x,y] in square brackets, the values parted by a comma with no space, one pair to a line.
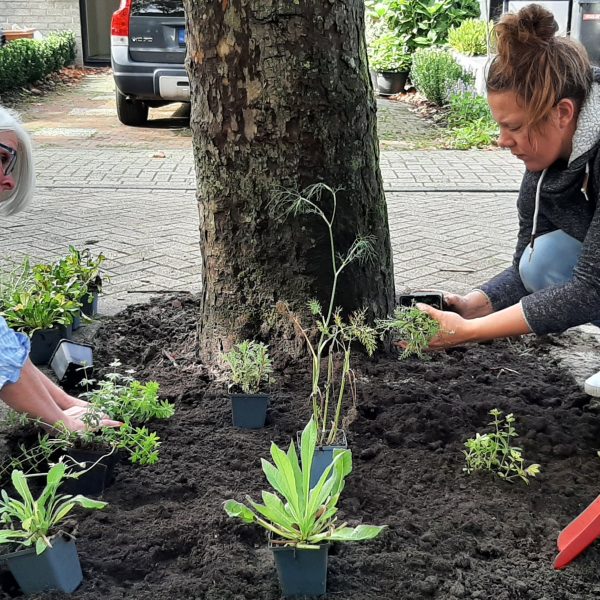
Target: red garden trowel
[582,531]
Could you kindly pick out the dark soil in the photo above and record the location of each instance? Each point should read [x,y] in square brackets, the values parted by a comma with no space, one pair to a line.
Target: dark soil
[164,535]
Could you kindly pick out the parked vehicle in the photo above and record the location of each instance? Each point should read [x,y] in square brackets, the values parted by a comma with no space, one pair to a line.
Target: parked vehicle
[147,55]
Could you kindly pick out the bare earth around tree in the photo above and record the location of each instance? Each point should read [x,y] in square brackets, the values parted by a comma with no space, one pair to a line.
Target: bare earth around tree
[165,535]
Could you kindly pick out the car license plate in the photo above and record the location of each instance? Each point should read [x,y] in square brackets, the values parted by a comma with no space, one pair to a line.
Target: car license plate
[181,37]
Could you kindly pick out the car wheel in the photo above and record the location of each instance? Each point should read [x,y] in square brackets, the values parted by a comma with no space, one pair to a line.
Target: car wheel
[131,112]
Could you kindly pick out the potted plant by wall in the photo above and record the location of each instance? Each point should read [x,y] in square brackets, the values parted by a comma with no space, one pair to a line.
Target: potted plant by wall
[333,346]
[43,557]
[391,62]
[300,518]
[251,371]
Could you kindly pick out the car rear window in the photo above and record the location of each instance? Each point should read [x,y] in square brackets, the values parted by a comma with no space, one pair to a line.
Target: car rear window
[172,8]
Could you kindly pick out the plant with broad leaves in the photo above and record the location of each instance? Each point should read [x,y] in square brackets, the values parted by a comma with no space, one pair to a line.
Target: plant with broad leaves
[335,335]
[300,516]
[250,365]
[411,326]
[493,451]
[32,521]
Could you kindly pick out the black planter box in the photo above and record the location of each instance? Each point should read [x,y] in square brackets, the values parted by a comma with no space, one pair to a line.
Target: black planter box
[249,411]
[44,343]
[301,572]
[94,481]
[72,362]
[56,568]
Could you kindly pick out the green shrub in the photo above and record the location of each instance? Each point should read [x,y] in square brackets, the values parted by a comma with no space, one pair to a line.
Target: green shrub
[387,55]
[433,73]
[470,37]
[470,120]
[26,61]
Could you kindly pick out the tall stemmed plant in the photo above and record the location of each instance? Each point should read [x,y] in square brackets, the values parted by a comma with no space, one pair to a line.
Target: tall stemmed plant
[335,335]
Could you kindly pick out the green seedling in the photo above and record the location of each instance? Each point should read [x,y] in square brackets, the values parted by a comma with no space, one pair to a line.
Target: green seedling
[335,335]
[32,521]
[300,516]
[493,451]
[250,366]
[413,327]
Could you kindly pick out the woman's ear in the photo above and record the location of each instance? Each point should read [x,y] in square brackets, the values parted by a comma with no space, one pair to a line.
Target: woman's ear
[567,112]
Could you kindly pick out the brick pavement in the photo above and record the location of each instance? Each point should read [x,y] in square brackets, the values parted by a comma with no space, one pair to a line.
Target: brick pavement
[129,192]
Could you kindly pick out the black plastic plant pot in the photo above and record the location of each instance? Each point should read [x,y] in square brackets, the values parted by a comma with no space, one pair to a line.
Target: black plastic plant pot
[56,568]
[72,362]
[76,321]
[391,83]
[90,307]
[44,343]
[323,456]
[249,411]
[301,572]
[94,481]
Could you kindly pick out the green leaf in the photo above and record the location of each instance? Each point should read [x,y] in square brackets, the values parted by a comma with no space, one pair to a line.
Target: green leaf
[286,471]
[308,443]
[238,510]
[40,545]
[356,534]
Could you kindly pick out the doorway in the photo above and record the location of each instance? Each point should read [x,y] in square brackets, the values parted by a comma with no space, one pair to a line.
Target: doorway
[95,30]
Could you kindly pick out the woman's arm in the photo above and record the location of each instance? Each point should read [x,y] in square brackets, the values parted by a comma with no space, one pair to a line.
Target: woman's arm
[456,330]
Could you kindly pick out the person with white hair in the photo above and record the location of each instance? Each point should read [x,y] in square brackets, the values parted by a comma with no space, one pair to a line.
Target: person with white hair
[22,386]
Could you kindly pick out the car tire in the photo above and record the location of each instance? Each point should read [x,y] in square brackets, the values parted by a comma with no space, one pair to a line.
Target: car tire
[131,112]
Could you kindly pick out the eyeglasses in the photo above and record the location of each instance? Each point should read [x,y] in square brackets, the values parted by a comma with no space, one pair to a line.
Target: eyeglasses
[8,158]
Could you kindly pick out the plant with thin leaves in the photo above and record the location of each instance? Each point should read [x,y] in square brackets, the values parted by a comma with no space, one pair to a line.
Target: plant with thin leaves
[335,335]
[411,326]
[32,521]
[127,399]
[250,366]
[493,451]
[297,515]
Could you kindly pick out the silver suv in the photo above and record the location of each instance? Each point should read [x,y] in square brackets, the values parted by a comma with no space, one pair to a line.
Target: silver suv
[147,55]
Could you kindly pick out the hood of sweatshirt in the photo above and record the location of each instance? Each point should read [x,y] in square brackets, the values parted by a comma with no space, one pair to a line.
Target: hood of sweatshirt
[587,133]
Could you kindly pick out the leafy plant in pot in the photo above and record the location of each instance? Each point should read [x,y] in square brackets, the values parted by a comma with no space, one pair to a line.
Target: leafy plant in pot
[391,63]
[301,520]
[333,345]
[48,557]
[251,371]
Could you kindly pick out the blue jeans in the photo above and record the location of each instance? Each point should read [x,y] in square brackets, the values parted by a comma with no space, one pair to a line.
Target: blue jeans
[551,262]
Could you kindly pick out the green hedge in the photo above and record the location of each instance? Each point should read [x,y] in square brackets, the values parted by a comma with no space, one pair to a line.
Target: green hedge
[25,61]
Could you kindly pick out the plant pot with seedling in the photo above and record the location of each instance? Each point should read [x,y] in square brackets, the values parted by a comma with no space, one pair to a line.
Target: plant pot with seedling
[72,363]
[43,557]
[90,471]
[251,370]
[300,518]
[390,62]
[331,351]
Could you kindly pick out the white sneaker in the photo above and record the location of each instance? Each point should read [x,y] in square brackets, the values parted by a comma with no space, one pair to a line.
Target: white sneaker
[592,385]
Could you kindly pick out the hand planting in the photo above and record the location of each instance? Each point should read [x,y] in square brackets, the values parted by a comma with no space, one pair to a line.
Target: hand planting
[493,451]
[412,327]
[305,517]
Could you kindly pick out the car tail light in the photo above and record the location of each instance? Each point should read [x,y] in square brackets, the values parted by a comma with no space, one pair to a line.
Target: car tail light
[120,24]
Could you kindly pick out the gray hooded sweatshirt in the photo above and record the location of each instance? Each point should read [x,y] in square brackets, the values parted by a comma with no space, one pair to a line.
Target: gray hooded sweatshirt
[563,204]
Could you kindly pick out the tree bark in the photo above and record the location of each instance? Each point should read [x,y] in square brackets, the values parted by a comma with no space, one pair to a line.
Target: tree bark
[282,98]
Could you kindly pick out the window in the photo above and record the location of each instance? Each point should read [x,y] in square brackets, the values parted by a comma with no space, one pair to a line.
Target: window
[171,8]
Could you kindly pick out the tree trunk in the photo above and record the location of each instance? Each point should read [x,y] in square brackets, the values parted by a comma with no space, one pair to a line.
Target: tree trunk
[282,98]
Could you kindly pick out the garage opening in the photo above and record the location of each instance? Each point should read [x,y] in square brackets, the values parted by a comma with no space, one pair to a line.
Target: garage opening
[95,30]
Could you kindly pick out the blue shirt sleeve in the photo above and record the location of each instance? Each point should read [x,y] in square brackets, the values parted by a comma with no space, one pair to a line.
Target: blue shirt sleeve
[14,350]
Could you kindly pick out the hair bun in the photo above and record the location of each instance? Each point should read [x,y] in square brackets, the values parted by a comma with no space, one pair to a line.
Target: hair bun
[531,26]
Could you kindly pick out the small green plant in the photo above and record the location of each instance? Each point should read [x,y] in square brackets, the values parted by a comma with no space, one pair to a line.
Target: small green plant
[433,72]
[127,399]
[471,37]
[300,516]
[335,337]
[250,366]
[413,327]
[493,451]
[387,55]
[32,521]
[470,120]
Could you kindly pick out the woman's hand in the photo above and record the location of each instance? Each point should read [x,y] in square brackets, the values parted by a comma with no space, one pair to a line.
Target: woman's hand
[75,419]
[454,329]
[474,304]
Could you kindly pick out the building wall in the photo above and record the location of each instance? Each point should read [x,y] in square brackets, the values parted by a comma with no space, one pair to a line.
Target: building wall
[45,15]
